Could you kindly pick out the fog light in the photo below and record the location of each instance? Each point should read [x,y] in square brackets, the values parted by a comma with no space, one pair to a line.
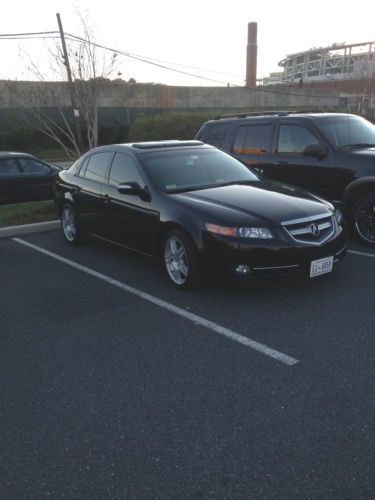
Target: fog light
[242,269]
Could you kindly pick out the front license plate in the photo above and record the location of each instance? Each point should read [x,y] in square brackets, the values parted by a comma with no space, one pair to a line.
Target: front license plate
[321,266]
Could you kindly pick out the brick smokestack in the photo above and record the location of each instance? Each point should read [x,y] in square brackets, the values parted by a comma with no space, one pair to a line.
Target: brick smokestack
[251,55]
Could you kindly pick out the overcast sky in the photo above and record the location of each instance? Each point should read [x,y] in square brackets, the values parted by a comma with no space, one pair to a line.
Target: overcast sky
[206,34]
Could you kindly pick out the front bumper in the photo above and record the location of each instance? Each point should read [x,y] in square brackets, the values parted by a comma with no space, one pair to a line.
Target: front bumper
[267,258]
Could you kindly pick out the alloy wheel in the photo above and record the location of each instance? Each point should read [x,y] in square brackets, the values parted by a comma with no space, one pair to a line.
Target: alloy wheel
[69,225]
[176,260]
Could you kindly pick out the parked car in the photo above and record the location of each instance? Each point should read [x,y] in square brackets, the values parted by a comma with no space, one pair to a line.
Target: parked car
[331,154]
[24,177]
[198,208]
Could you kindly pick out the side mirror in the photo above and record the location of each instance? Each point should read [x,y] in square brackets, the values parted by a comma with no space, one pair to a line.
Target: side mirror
[319,151]
[134,189]
[129,188]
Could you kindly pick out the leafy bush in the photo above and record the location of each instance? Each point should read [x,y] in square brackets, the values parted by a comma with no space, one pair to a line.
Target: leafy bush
[175,125]
[112,134]
[18,138]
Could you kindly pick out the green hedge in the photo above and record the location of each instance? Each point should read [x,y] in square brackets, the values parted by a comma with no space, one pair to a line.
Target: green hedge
[174,125]
[181,125]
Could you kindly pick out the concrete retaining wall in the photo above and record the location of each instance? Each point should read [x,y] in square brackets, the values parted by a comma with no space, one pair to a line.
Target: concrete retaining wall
[14,95]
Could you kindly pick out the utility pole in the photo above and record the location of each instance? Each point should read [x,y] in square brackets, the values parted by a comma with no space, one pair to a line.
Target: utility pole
[76,113]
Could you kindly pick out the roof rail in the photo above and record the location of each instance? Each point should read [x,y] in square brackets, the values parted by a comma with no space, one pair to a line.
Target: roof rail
[310,111]
[165,144]
[253,113]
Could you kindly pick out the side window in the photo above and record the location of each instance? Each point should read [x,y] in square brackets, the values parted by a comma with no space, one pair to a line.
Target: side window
[75,167]
[96,169]
[293,139]
[82,169]
[124,169]
[213,133]
[252,140]
[31,166]
[8,166]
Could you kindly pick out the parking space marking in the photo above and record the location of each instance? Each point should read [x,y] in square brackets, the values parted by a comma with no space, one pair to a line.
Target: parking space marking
[364,254]
[194,318]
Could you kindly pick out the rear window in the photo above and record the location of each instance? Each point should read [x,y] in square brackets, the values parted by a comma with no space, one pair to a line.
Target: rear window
[213,133]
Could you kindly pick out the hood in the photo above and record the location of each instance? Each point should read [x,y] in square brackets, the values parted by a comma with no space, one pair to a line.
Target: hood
[362,158]
[368,152]
[263,202]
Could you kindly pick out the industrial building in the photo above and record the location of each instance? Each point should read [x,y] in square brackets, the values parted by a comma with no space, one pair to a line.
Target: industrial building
[336,62]
[338,65]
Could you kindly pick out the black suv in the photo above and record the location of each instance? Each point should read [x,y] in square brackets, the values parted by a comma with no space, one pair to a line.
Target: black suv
[331,154]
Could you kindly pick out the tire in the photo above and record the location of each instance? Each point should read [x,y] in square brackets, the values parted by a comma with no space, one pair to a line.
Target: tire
[70,225]
[363,219]
[181,260]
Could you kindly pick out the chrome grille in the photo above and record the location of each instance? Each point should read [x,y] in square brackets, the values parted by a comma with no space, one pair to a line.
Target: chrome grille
[313,230]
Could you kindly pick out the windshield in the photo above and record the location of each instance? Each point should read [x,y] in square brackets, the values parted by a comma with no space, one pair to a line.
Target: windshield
[349,131]
[191,169]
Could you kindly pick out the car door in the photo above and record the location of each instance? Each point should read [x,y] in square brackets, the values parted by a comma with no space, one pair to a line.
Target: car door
[289,163]
[11,187]
[130,220]
[252,144]
[37,178]
[87,191]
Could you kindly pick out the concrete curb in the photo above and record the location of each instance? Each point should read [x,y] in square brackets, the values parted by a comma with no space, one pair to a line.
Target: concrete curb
[38,227]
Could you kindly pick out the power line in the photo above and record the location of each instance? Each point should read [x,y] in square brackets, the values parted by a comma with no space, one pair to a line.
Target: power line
[255,89]
[52,37]
[192,67]
[150,61]
[29,34]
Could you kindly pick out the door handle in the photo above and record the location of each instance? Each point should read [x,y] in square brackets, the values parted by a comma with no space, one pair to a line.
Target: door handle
[107,199]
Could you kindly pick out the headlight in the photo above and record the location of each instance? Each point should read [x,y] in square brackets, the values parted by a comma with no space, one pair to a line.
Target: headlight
[241,232]
[339,216]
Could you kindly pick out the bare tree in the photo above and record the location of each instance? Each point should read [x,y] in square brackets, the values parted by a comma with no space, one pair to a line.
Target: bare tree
[91,69]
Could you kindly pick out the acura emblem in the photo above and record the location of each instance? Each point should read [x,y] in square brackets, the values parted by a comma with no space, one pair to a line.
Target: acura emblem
[315,231]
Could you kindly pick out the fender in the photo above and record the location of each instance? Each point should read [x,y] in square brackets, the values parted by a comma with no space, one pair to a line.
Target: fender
[187,224]
[188,220]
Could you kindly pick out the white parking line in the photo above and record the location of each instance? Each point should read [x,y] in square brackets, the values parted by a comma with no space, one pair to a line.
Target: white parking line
[364,254]
[194,318]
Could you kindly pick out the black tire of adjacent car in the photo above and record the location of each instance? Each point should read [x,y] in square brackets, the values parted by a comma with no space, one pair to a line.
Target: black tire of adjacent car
[70,225]
[363,219]
[181,260]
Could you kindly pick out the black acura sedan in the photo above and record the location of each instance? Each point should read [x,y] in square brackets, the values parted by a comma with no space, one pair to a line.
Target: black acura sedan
[24,177]
[200,210]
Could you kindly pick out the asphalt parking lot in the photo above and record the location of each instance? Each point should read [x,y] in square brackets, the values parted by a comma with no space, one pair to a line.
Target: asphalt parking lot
[114,385]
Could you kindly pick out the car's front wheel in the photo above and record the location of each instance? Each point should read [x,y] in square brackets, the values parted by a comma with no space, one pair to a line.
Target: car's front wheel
[363,222]
[70,224]
[181,260]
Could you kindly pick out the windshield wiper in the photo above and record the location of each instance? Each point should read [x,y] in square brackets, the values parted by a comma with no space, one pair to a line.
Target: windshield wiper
[210,186]
[233,183]
[186,189]
[358,145]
